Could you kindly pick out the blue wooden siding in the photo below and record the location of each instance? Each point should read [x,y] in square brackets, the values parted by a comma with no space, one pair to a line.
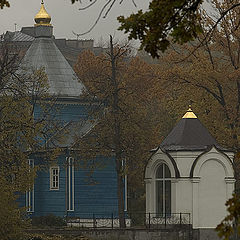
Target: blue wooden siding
[49,201]
[65,112]
[98,198]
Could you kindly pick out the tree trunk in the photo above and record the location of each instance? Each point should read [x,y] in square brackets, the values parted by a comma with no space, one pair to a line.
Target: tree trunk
[117,139]
[120,193]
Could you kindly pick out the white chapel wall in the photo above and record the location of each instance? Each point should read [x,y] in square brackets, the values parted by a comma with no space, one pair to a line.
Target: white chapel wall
[213,184]
[184,160]
[203,193]
[184,196]
[212,194]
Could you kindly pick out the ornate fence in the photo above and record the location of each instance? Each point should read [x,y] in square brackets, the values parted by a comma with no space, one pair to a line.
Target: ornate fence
[132,220]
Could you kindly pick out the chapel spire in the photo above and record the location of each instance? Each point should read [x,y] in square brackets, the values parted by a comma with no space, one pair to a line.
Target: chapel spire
[42,18]
[189,113]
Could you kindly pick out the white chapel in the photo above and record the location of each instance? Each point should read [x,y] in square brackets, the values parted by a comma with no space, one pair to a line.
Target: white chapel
[190,173]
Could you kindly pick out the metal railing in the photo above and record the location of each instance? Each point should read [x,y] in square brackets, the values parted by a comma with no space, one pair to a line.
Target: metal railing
[132,220]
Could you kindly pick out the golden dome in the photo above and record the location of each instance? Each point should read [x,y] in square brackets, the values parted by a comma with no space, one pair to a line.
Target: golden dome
[189,113]
[42,17]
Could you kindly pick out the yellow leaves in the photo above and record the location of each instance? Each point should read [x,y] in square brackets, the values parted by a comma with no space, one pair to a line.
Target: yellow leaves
[11,224]
[21,92]
[140,78]
[93,72]
[37,84]
[16,136]
[125,99]
[208,79]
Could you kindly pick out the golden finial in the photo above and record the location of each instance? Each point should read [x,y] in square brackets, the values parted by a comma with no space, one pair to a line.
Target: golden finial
[189,113]
[42,18]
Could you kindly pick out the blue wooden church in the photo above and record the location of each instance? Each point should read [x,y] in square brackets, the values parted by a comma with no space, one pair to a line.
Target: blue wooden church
[61,188]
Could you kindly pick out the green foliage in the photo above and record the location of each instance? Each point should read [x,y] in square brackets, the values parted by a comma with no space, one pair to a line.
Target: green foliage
[165,21]
[11,221]
[209,78]
[21,90]
[4,3]
[48,221]
[44,237]
[230,226]
[54,237]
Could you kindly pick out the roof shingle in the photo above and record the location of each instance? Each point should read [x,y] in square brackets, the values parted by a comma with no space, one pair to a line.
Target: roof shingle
[62,80]
[189,134]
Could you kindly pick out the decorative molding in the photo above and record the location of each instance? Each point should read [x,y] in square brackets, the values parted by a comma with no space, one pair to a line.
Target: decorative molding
[175,180]
[212,153]
[229,180]
[148,180]
[195,179]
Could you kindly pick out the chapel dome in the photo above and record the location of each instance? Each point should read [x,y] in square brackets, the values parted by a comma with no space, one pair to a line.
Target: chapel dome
[42,18]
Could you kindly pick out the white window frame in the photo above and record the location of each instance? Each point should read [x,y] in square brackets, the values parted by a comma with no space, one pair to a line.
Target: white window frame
[70,206]
[30,193]
[54,178]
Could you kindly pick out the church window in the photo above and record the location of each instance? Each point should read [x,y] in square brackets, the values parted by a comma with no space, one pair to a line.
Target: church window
[54,178]
[163,190]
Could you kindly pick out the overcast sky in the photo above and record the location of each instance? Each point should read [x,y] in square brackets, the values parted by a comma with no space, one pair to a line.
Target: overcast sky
[67,18]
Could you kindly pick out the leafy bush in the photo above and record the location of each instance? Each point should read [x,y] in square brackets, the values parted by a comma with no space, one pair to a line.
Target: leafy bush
[54,237]
[12,221]
[49,221]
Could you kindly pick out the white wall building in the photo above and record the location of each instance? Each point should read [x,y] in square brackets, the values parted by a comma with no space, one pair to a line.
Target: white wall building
[190,173]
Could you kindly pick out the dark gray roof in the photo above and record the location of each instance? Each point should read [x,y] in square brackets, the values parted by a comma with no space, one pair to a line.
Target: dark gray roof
[16,37]
[62,80]
[189,134]
[73,130]
[21,37]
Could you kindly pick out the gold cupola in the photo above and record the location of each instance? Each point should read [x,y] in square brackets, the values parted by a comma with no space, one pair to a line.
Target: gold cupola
[189,113]
[42,18]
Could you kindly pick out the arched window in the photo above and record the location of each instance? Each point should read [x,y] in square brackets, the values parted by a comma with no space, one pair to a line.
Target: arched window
[163,190]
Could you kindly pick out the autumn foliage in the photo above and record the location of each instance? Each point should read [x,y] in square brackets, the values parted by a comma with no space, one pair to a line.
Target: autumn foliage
[120,89]
[21,135]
